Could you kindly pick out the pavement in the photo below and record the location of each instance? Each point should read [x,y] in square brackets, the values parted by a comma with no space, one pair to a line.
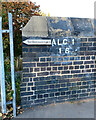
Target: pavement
[61,110]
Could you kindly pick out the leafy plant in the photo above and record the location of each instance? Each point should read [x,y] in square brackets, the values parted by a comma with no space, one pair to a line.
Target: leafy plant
[9,91]
[18,83]
[21,12]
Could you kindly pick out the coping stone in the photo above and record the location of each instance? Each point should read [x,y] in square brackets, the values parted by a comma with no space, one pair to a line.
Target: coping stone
[36,27]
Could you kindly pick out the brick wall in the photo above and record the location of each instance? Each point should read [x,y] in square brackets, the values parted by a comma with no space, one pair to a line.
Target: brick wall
[50,77]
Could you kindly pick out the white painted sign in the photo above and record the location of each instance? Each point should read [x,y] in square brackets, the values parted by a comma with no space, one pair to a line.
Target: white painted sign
[37,41]
[65,46]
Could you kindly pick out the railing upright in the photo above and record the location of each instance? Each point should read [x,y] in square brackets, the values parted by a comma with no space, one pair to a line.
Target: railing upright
[2,72]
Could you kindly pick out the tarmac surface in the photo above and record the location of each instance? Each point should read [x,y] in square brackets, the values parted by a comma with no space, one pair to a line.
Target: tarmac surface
[84,109]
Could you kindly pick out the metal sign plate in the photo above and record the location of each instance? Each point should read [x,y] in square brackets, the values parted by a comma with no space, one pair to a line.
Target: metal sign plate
[37,41]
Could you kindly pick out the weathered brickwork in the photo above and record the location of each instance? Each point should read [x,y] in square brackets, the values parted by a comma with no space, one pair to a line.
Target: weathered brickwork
[49,78]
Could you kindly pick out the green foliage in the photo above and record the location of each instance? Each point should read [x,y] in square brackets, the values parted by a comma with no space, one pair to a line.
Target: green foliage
[18,83]
[9,91]
[7,65]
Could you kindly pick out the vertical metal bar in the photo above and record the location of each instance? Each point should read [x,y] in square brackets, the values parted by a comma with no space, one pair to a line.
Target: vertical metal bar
[12,62]
[2,72]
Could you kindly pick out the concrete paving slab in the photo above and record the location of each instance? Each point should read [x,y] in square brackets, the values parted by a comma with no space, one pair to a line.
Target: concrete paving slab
[61,110]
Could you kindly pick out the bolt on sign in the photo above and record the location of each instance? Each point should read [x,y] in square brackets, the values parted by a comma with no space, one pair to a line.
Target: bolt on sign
[58,60]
